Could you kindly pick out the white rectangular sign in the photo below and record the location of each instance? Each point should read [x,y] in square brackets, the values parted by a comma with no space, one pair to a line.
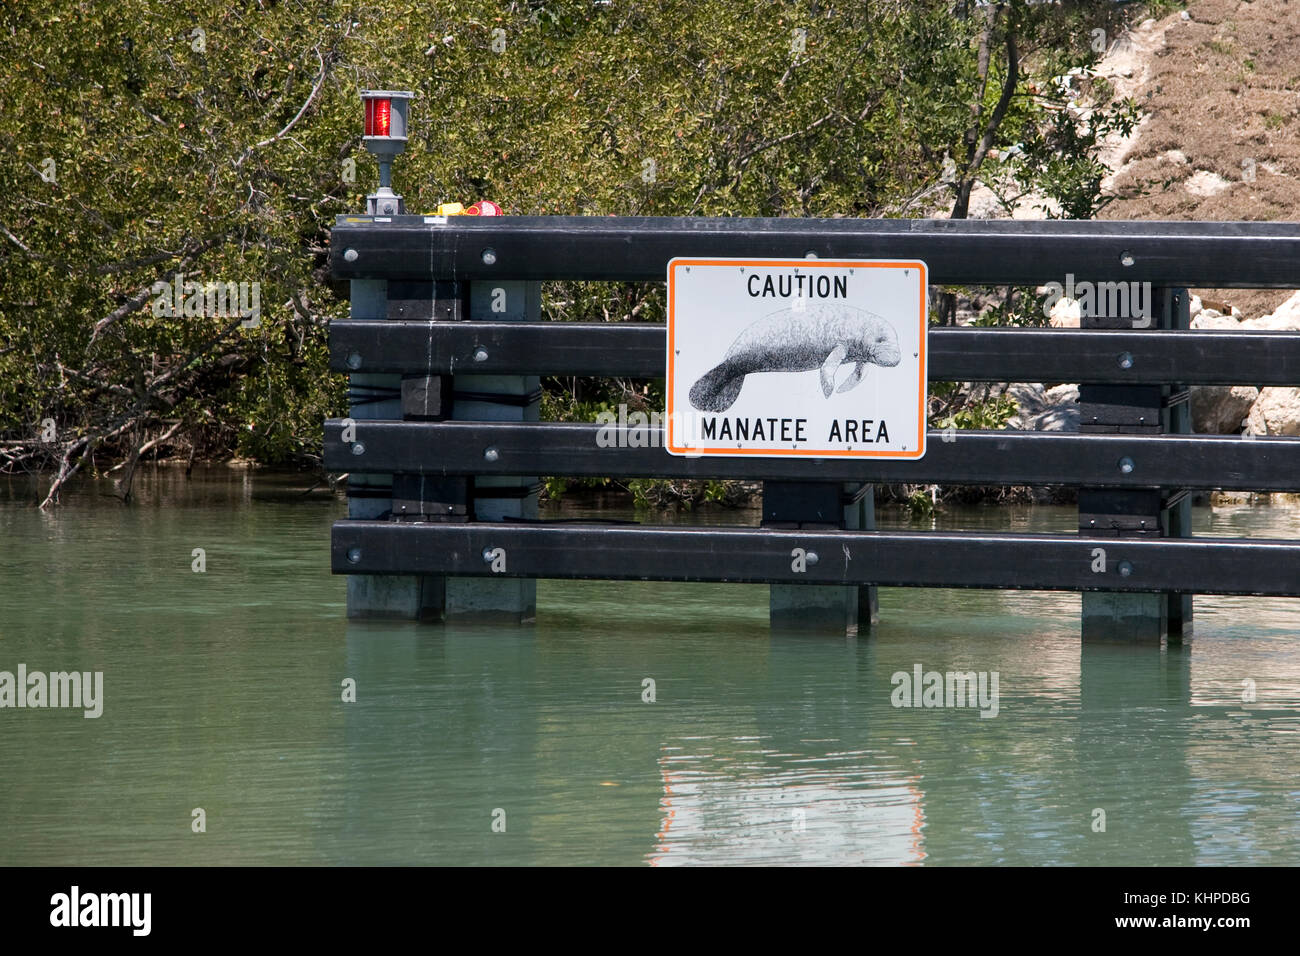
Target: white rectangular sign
[811,358]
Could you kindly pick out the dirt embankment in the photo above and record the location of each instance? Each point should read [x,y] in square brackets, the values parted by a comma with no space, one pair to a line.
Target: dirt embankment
[1220,87]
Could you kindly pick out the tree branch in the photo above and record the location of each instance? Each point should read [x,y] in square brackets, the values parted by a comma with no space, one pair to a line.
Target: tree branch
[320,81]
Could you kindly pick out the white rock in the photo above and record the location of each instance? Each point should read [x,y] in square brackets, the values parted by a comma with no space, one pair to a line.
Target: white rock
[1220,409]
[1060,394]
[1212,319]
[1065,314]
[1030,396]
[1275,412]
[1285,317]
[1205,183]
[1051,410]
[1175,157]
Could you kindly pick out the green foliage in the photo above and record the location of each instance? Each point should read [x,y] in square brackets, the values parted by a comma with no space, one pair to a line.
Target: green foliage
[989,413]
[1020,306]
[166,161]
[1060,156]
[921,504]
[225,155]
[661,494]
[951,408]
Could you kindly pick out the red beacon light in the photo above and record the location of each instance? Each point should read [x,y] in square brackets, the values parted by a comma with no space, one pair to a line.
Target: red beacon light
[379,116]
[385,119]
[385,137]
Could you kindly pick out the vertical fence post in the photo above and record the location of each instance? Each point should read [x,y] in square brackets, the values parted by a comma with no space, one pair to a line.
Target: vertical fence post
[819,506]
[860,515]
[1175,314]
[498,398]
[1109,513]
[371,397]
[426,397]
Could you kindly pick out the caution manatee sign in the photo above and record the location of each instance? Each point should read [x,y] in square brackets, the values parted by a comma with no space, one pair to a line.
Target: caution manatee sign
[797,357]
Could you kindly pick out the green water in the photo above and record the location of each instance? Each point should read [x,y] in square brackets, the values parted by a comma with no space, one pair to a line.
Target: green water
[222,691]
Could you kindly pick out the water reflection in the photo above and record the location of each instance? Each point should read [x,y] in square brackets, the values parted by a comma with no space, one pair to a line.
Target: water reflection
[785,749]
[223,691]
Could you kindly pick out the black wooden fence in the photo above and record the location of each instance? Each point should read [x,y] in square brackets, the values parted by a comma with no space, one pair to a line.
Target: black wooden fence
[1133,460]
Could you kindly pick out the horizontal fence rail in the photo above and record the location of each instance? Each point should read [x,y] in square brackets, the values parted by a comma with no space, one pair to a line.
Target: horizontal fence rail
[961,251]
[922,559]
[969,458]
[955,354]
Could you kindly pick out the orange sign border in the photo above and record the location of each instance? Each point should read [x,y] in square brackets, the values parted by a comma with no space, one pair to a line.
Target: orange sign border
[922,277]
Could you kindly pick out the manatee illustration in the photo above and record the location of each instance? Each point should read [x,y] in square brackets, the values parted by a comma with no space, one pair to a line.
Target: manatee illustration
[824,337]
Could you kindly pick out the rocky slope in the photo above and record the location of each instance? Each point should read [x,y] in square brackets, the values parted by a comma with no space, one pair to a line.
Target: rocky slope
[1219,84]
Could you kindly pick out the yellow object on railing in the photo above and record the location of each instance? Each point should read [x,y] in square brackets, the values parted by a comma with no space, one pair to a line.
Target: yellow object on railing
[484,207]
